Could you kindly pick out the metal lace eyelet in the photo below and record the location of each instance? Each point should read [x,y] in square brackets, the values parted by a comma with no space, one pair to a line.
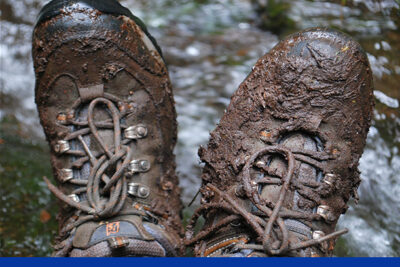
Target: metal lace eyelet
[314,254]
[136,132]
[330,179]
[203,200]
[236,224]
[143,191]
[139,165]
[62,118]
[318,234]
[61,146]
[74,197]
[325,212]
[118,242]
[66,175]
[260,164]
[138,190]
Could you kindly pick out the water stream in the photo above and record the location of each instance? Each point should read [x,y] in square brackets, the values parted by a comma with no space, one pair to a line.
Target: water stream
[210,47]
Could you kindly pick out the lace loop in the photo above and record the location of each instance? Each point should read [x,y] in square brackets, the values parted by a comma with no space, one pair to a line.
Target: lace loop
[105,195]
[264,228]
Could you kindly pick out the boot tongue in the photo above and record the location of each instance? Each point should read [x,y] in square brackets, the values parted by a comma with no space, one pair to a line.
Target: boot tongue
[298,228]
[304,172]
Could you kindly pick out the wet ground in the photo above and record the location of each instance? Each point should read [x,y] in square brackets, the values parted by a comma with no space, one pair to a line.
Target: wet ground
[210,47]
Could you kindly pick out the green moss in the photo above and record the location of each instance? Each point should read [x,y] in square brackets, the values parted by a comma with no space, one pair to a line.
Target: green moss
[24,196]
[342,249]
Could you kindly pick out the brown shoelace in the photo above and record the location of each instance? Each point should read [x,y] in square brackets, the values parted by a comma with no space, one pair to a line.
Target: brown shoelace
[268,214]
[106,195]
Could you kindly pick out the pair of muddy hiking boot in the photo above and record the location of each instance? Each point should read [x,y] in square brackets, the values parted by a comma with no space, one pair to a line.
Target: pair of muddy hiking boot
[279,168]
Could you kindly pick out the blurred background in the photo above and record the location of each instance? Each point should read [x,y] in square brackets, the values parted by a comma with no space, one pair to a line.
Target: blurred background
[210,47]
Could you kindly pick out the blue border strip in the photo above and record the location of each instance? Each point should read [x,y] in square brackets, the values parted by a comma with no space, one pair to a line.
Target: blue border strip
[192,262]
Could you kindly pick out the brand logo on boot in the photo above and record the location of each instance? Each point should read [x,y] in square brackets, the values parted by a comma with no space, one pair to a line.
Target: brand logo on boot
[112,228]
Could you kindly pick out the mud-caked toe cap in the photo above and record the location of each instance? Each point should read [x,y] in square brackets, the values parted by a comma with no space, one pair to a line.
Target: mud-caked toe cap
[73,10]
[323,54]
[56,7]
[330,41]
[318,72]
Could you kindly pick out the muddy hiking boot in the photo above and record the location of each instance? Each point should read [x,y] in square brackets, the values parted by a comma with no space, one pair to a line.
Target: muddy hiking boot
[283,162]
[106,105]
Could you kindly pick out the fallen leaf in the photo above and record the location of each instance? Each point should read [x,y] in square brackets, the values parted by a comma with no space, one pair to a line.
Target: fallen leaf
[44,216]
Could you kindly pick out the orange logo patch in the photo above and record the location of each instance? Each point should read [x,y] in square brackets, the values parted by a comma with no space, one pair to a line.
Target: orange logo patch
[112,228]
